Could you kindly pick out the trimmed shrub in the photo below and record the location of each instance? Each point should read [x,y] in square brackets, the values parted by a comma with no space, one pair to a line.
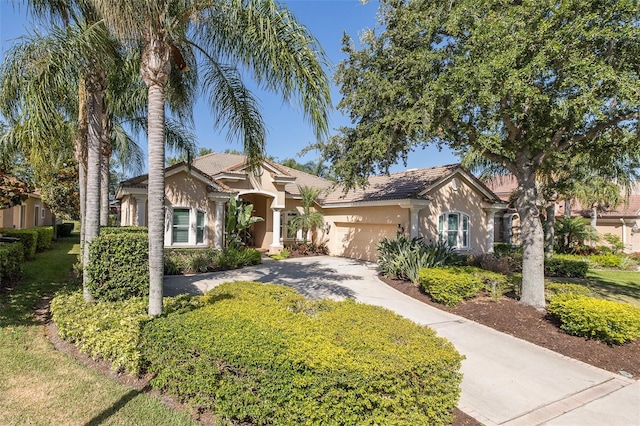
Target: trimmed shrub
[28,239]
[560,267]
[119,266]
[110,330]
[45,237]
[449,285]
[232,258]
[11,259]
[611,322]
[64,229]
[605,260]
[123,229]
[552,289]
[263,354]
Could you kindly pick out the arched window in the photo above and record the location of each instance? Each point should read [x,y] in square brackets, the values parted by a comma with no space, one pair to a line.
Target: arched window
[453,227]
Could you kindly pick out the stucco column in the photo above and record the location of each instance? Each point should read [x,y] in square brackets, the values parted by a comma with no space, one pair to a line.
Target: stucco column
[508,228]
[413,222]
[491,217]
[140,211]
[275,245]
[218,228]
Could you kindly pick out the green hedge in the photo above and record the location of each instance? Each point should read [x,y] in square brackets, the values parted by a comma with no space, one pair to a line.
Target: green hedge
[194,260]
[110,330]
[28,239]
[263,354]
[450,285]
[65,229]
[559,267]
[104,230]
[45,237]
[119,266]
[11,259]
[611,322]
[553,289]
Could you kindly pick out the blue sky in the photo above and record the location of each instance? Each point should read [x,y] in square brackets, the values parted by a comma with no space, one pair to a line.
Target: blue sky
[288,133]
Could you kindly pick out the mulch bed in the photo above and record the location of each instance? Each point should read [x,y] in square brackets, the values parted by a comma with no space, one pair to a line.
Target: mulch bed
[527,323]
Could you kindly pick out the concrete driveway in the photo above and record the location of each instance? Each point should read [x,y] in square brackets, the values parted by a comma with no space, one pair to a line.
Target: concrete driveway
[507,381]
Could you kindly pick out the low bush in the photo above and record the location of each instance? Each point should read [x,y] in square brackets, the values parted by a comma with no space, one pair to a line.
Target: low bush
[567,268]
[504,264]
[284,254]
[605,260]
[404,258]
[64,229]
[111,330]
[11,260]
[28,239]
[232,258]
[263,354]
[611,322]
[119,266]
[190,261]
[450,285]
[45,237]
[552,289]
[104,230]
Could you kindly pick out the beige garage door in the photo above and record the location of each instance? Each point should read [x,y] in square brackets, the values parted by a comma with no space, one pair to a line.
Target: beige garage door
[359,240]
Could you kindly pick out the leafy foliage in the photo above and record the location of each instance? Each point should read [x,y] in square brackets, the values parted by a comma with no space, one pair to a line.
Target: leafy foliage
[449,285]
[571,233]
[45,237]
[238,220]
[553,289]
[12,190]
[404,258]
[65,229]
[11,259]
[119,266]
[59,189]
[560,267]
[179,261]
[611,322]
[263,354]
[308,220]
[28,239]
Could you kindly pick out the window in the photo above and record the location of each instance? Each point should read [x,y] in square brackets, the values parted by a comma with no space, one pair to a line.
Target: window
[454,229]
[180,228]
[189,226]
[200,227]
[285,229]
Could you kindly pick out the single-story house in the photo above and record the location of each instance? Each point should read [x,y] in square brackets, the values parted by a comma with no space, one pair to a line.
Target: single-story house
[440,202]
[622,220]
[31,212]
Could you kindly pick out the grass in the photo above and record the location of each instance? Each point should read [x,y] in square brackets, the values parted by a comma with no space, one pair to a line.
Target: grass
[41,386]
[619,286]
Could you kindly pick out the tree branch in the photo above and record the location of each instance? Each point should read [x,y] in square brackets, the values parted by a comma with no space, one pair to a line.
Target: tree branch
[597,129]
[512,129]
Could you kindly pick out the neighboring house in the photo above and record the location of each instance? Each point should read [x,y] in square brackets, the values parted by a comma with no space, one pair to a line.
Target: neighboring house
[622,221]
[31,212]
[446,202]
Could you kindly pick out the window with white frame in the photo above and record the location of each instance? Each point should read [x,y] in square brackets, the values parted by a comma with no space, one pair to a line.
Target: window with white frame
[188,226]
[453,227]
[285,226]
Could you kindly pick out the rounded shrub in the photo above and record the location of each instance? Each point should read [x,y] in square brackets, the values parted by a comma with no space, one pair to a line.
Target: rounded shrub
[11,259]
[449,285]
[263,354]
[568,268]
[552,289]
[45,237]
[611,322]
[65,229]
[28,239]
[119,266]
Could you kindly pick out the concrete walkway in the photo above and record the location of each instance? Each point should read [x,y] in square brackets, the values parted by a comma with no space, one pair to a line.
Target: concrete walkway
[507,381]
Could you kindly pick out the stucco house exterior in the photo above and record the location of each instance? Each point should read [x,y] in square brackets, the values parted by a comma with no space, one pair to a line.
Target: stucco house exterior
[446,201]
[31,212]
[622,221]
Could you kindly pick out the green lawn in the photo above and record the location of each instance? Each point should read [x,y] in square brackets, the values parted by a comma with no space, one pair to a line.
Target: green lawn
[620,286]
[41,386]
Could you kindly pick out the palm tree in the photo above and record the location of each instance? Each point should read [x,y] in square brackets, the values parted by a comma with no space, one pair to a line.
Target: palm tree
[598,194]
[308,220]
[260,35]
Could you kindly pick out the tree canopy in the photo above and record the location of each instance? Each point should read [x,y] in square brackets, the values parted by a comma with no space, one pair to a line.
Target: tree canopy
[527,84]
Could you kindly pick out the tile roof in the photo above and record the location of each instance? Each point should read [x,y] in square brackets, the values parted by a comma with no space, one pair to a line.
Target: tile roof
[502,185]
[395,186]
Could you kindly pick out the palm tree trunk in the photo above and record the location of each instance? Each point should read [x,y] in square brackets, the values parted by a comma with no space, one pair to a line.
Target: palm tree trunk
[532,238]
[104,170]
[80,153]
[94,154]
[155,68]
[156,197]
